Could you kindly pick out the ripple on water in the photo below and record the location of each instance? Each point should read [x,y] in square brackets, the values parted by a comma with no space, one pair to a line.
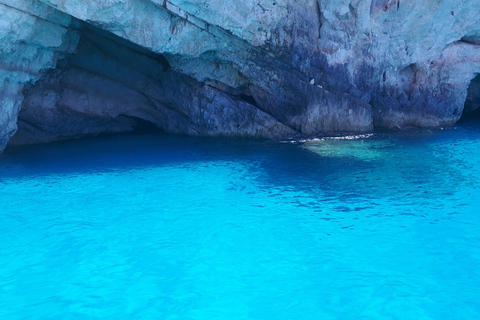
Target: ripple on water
[377,226]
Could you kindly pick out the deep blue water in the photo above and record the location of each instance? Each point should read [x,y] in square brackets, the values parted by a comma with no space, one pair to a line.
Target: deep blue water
[384,226]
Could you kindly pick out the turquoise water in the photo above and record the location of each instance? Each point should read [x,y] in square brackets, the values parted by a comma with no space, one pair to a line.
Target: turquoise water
[382,226]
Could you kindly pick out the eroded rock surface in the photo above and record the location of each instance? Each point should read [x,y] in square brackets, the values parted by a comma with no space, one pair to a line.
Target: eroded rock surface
[105,86]
[32,37]
[223,68]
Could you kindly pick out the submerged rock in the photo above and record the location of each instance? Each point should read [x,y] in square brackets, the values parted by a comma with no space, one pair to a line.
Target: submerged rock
[267,69]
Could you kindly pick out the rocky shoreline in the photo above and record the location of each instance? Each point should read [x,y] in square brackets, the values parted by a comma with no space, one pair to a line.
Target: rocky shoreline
[265,69]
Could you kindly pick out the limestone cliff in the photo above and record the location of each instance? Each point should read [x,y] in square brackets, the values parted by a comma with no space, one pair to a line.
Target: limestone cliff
[258,68]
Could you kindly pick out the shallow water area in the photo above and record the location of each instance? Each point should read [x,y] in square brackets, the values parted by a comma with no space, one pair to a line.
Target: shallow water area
[381,226]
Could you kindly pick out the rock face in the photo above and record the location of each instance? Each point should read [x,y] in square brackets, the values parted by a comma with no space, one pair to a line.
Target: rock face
[106,85]
[33,37]
[260,68]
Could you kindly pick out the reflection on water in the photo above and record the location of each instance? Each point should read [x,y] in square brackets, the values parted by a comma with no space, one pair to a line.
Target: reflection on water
[153,226]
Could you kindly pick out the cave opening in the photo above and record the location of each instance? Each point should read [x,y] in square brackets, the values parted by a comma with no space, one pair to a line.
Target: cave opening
[145,126]
[471,110]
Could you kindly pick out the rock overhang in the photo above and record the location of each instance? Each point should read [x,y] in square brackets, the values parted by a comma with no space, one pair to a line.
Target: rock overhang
[263,69]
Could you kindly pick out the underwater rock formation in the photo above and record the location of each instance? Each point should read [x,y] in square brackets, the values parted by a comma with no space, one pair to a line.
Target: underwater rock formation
[266,69]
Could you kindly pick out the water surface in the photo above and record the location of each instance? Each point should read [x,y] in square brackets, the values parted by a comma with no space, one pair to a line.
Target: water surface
[381,226]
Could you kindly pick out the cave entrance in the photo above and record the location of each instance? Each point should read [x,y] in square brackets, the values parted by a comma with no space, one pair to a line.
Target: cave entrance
[144,126]
[471,110]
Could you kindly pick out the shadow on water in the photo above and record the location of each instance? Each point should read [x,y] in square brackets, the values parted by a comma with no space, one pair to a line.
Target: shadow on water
[414,166]
[410,168]
[123,152]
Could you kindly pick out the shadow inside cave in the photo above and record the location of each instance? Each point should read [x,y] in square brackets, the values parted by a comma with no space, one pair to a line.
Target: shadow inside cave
[145,126]
[471,110]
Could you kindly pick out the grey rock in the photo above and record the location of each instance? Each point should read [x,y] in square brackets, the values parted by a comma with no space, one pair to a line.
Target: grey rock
[32,37]
[105,86]
[238,69]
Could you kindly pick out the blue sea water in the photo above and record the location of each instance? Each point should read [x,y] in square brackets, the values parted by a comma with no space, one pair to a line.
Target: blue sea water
[151,226]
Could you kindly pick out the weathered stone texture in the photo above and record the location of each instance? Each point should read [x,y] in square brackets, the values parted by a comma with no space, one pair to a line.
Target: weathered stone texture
[229,68]
[32,36]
